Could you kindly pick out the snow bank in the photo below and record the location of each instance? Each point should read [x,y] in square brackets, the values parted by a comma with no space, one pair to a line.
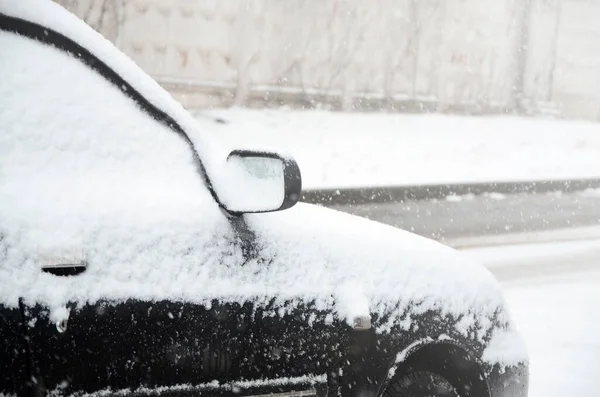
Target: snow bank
[521,255]
[559,320]
[352,150]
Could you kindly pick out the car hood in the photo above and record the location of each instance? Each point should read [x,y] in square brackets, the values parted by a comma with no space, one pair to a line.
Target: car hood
[313,252]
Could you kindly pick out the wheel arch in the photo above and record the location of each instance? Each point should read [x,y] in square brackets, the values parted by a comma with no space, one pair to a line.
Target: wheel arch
[447,358]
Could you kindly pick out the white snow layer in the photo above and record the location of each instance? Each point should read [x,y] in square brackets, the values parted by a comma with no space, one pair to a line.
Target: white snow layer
[261,179]
[83,170]
[557,310]
[559,320]
[48,13]
[214,386]
[337,150]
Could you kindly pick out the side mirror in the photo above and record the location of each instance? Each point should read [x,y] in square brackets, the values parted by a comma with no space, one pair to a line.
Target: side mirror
[259,181]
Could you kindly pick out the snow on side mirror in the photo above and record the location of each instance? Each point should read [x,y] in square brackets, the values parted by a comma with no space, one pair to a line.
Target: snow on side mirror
[260,182]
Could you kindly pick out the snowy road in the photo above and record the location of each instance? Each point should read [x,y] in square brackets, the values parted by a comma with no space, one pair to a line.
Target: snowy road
[490,214]
[554,293]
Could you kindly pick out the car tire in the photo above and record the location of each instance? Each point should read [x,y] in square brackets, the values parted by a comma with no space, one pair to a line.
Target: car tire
[420,384]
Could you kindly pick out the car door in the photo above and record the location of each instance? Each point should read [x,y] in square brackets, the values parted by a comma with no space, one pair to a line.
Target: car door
[82,152]
[13,352]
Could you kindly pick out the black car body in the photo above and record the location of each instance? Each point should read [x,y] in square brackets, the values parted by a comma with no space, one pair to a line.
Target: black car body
[230,303]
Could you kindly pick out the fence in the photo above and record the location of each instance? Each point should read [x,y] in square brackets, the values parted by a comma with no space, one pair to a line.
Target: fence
[477,56]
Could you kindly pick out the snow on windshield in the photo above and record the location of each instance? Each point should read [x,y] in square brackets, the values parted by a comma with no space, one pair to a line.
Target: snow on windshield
[50,14]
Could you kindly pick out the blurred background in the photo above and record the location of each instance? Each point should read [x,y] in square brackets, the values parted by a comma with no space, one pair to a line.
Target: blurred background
[468,56]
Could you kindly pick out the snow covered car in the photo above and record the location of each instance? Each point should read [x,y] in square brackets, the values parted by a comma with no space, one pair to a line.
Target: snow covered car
[136,254]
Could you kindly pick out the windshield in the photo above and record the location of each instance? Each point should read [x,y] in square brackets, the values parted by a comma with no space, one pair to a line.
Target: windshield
[74,152]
